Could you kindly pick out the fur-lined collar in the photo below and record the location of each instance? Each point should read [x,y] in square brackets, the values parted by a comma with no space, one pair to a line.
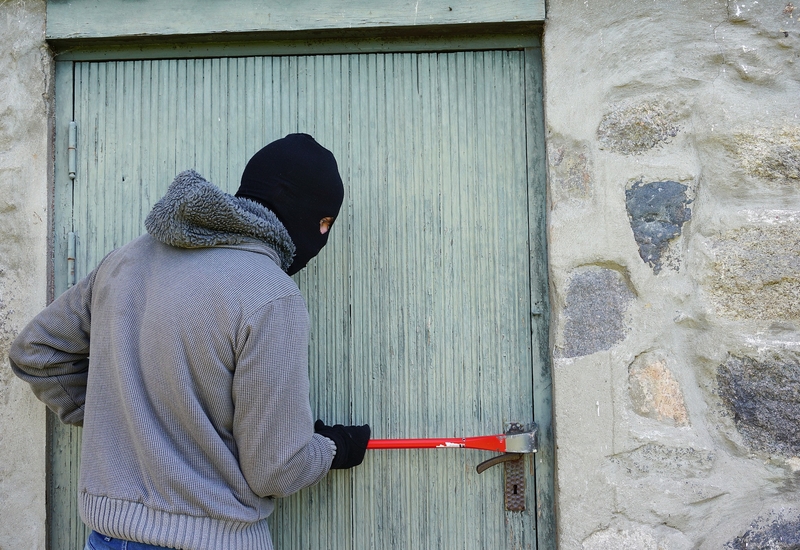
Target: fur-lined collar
[195,213]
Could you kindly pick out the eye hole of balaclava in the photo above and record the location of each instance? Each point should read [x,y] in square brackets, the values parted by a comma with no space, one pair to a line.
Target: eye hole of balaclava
[298,179]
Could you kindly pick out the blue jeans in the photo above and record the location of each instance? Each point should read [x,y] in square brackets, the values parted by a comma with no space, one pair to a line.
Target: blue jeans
[101,542]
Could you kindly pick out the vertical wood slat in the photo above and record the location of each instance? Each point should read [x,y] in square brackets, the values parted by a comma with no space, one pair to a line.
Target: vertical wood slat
[420,303]
[542,374]
[64,529]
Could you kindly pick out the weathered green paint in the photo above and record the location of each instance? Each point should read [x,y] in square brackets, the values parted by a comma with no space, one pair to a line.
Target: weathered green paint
[474,39]
[540,302]
[420,305]
[65,529]
[62,195]
[90,19]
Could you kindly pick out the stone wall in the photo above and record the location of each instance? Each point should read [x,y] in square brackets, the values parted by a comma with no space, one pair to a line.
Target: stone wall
[673,132]
[25,108]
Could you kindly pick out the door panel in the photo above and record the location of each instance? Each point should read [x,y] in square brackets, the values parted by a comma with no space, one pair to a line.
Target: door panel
[420,305]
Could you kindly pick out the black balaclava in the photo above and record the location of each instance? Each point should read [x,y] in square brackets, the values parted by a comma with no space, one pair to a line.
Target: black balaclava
[298,179]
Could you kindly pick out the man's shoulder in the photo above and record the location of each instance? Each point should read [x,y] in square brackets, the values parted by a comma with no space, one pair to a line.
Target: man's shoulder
[249,272]
[230,270]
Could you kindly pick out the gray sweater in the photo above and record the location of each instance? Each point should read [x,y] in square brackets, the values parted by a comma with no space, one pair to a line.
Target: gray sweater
[195,402]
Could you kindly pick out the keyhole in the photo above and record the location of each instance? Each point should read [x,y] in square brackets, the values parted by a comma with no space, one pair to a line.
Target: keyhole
[515,489]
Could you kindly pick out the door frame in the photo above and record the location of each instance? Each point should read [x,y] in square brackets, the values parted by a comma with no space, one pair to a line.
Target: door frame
[480,38]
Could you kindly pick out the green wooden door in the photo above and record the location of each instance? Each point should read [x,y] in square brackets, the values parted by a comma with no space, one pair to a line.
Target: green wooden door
[426,306]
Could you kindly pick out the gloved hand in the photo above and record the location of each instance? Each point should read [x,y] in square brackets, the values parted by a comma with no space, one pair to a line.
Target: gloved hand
[351,443]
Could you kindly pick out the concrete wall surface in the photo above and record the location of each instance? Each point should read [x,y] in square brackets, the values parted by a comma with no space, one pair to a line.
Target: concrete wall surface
[673,144]
[673,131]
[25,109]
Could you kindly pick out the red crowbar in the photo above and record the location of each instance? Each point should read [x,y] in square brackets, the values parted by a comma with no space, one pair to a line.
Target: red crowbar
[501,443]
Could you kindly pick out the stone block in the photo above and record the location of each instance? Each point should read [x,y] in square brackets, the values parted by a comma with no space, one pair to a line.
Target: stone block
[571,171]
[596,302]
[776,531]
[657,212]
[654,391]
[770,154]
[763,397]
[632,128]
[755,272]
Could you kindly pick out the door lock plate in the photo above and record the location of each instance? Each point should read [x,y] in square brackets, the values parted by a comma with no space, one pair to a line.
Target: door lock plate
[514,474]
[515,484]
[513,470]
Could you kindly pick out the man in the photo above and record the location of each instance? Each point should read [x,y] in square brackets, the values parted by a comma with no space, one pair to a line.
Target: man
[184,356]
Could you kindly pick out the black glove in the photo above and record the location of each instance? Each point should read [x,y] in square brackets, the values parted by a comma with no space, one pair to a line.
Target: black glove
[351,443]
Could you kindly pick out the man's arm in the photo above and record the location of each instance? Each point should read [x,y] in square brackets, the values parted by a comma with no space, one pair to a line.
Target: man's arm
[52,352]
[273,426]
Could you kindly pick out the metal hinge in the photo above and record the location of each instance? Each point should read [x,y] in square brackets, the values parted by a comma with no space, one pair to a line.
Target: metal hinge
[72,164]
[72,149]
[71,238]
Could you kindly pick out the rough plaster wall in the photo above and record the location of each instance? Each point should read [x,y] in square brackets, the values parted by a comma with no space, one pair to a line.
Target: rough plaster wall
[25,104]
[670,352]
[673,132]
